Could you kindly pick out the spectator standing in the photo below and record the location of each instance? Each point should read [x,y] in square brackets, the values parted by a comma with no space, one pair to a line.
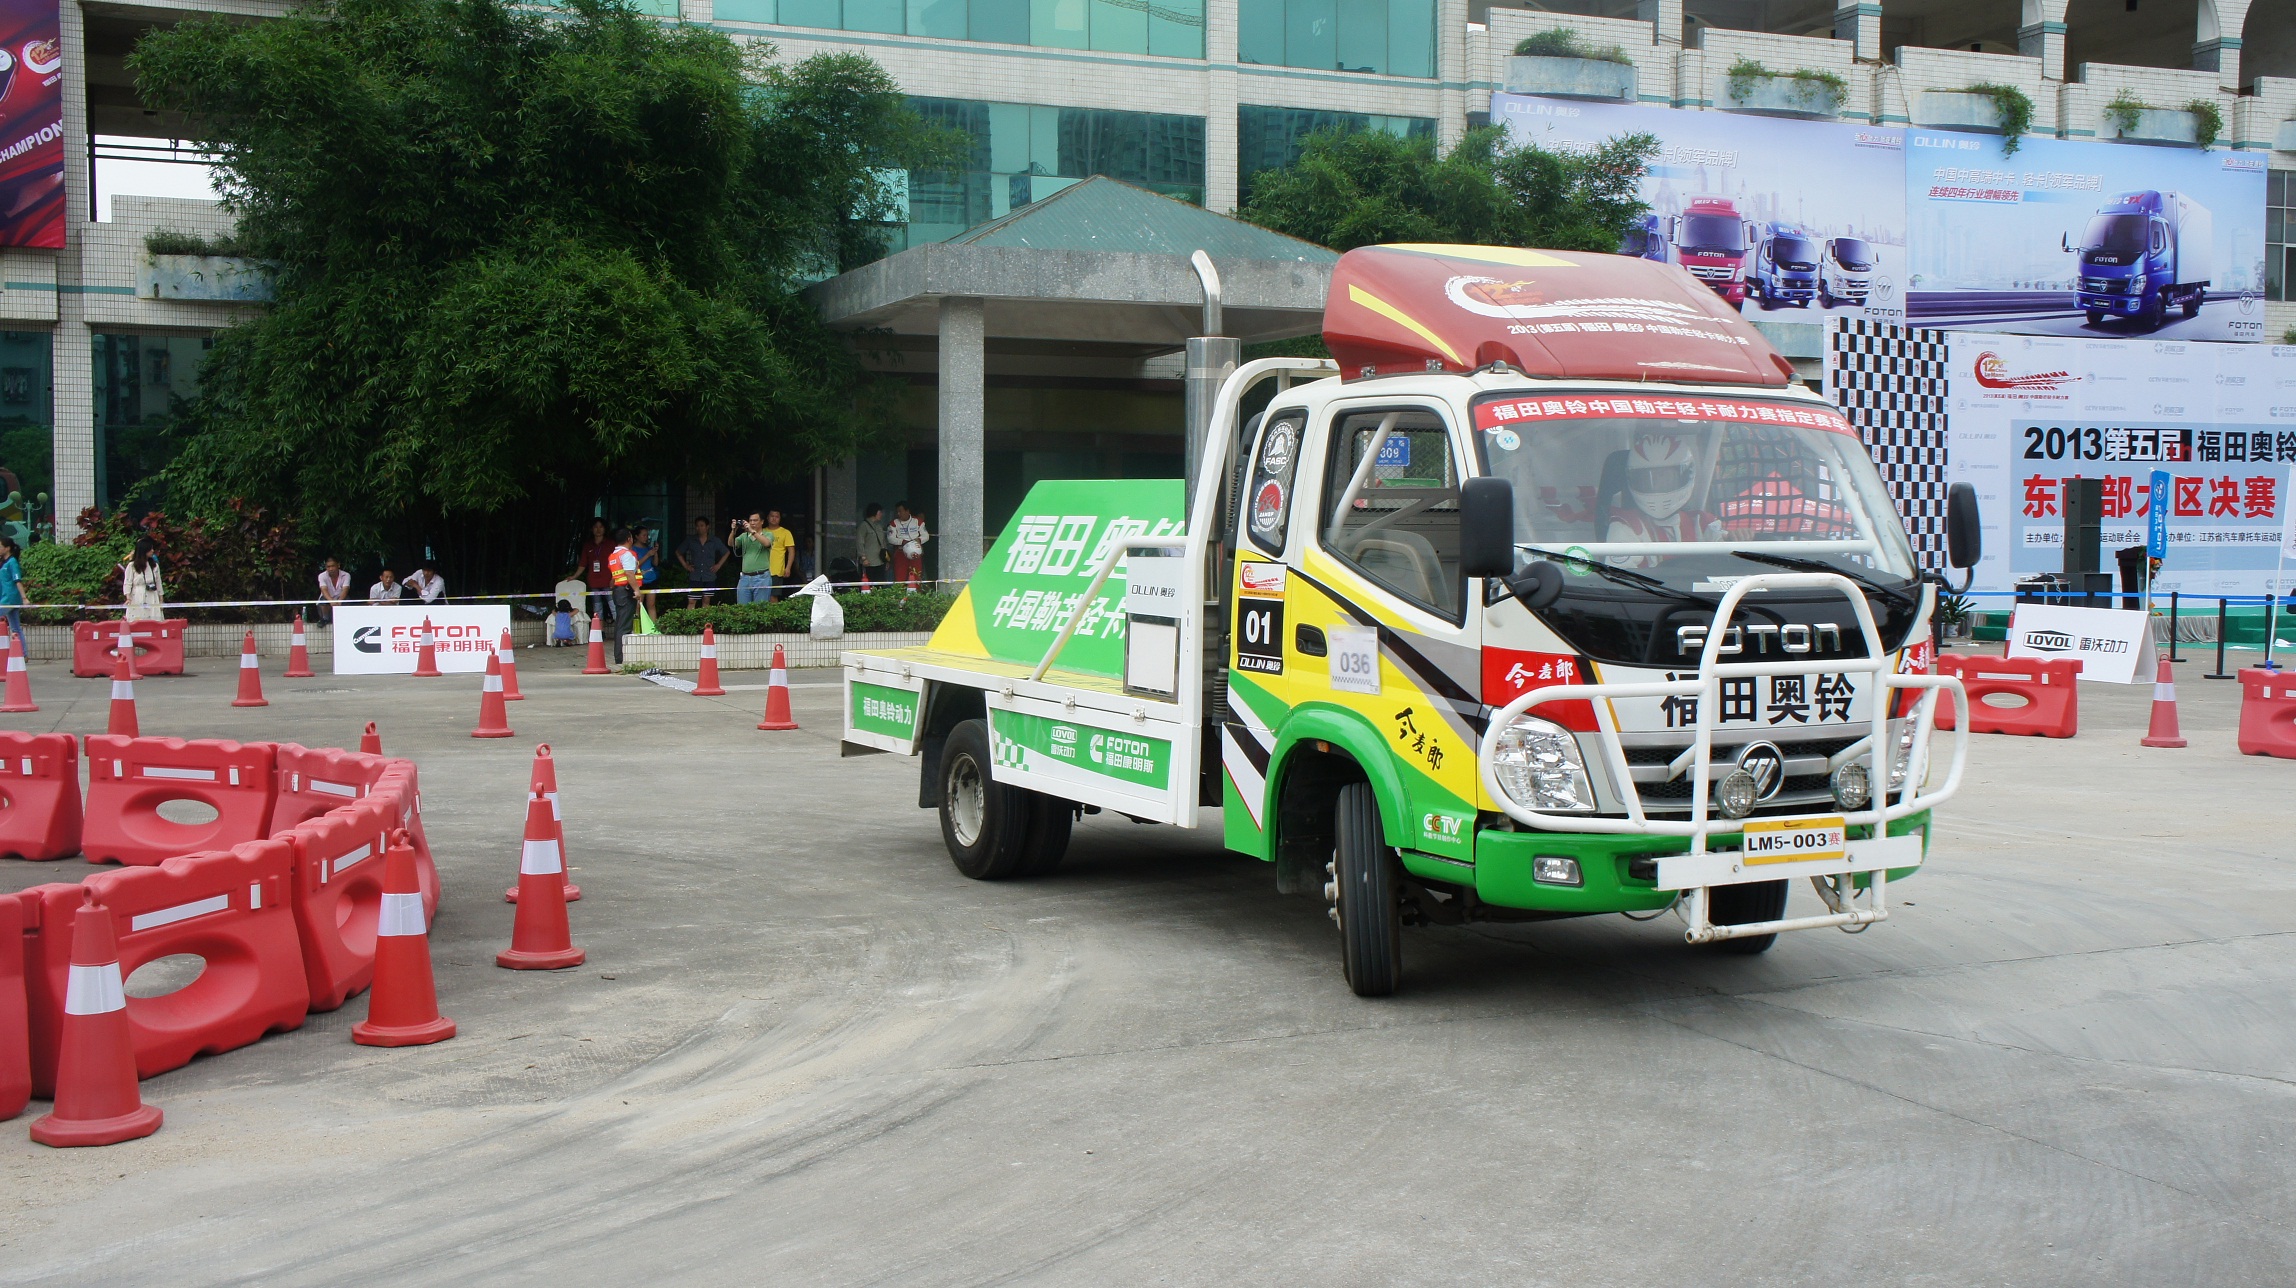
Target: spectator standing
[140,588]
[784,553]
[701,555]
[646,546]
[595,574]
[755,546]
[388,590]
[334,587]
[908,536]
[869,544]
[427,585]
[627,581]
[12,591]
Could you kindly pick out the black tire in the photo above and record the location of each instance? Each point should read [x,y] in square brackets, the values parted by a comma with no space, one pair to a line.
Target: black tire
[2156,317]
[1045,842]
[1825,298]
[985,824]
[2192,306]
[1370,901]
[2096,317]
[1737,905]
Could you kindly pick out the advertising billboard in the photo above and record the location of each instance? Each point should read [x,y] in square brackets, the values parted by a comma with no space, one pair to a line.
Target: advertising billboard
[2216,422]
[31,125]
[1787,219]
[382,639]
[2078,238]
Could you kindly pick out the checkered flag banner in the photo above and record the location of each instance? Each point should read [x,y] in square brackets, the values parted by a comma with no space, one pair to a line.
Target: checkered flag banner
[1890,382]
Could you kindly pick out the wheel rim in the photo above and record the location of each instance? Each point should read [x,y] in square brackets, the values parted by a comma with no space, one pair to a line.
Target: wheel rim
[968,801]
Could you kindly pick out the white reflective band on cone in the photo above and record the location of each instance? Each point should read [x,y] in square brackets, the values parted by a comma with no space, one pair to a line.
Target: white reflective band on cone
[493,684]
[296,638]
[402,915]
[540,858]
[778,677]
[2164,693]
[710,651]
[553,798]
[15,661]
[123,689]
[95,990]
[248,660]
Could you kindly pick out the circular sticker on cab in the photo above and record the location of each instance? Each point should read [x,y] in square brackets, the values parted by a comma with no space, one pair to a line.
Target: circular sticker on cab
[1507,439]
[1268,506]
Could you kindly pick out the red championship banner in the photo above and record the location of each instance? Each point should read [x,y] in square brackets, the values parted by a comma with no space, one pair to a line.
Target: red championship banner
[31,125]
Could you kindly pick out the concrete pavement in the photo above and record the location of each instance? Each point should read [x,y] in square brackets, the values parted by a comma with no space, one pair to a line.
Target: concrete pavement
[805,1050]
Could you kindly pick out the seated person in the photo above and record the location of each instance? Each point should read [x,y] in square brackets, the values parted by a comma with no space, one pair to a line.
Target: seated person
[1661,475]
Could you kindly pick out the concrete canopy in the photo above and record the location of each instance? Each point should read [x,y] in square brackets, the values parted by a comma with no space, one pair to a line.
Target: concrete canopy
[1099,262]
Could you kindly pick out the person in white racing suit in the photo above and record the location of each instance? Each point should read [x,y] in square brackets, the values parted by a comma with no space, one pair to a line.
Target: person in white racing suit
[1661,475]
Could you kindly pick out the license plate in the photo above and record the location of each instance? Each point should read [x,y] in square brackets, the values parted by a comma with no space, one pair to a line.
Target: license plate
[1792,840]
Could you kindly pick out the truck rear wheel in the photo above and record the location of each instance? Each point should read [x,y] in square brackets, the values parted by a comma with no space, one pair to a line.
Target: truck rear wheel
[984,823]
[1738,905]
[2192,304]
[1369,899]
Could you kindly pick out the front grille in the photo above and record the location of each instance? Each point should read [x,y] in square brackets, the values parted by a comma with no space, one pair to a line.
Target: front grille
[1712,274]
[1808,781]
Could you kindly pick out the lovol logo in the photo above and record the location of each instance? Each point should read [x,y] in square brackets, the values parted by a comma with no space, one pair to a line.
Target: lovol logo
[367,639]
[1993,373]
[2049,641]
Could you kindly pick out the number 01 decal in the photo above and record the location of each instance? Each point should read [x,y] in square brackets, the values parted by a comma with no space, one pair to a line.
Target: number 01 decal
[1260,636]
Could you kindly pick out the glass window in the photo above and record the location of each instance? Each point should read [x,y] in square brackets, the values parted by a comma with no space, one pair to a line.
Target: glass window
[874,15]
[1023,153]
[1394,489]
[1362,35]
[1268,502]
[2280,237]
[942,18]
[27,427]
[748,11]
[141,382]
[1260,32]
[1176,28]
[1002,21]
[1059,24]
[1311,33]
[1411,38]
[1390,37]
[1270,138]
[1120,26]
[810,13]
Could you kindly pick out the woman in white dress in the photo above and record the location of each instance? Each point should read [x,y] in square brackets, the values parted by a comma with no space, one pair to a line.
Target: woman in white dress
[140,587]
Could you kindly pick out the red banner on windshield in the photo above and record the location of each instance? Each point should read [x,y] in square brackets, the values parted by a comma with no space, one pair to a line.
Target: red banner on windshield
[1501,413]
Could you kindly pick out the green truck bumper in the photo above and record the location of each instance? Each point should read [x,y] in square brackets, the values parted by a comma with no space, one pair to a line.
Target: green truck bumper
[1503,867]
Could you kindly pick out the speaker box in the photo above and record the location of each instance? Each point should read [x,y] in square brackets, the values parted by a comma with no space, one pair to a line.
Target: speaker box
[2084,506]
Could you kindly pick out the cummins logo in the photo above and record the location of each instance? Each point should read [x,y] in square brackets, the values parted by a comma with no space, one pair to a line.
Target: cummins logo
[368,639]
[2049,641]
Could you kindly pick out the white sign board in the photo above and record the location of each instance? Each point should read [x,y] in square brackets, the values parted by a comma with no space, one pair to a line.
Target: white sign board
[1152,582]
[380,639]
[2107,641]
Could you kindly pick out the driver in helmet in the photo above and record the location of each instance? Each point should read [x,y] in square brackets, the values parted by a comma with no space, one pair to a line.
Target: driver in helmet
[1661,474]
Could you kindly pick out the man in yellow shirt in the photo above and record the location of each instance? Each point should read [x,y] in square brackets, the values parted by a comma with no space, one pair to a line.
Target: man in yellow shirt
[765,549]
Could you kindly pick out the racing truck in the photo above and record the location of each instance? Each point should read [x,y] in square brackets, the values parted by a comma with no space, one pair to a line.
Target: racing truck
[1711,239]
[1551,594]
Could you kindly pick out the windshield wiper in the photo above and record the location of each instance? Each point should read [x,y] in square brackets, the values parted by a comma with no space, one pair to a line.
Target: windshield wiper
[1623,576]
[1801,563]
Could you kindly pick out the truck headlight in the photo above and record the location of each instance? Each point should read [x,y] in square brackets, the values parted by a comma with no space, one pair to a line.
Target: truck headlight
[1537,762]
[1901,762]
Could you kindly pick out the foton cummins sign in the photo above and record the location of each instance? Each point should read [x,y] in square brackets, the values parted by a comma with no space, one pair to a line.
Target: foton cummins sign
[381,639]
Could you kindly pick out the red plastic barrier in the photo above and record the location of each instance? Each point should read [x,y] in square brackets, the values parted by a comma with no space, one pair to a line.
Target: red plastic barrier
[15,1024]
[313,781]
[130,778]
[159,646]
[234,909]
[339,897]
[2268,713]
[39,795]
[2051,706]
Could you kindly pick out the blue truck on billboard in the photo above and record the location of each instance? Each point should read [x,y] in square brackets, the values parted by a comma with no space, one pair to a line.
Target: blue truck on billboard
[1785,272]
[2143,252]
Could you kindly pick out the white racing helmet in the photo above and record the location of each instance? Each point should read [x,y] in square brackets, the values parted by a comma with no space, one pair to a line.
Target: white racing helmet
[1661,474]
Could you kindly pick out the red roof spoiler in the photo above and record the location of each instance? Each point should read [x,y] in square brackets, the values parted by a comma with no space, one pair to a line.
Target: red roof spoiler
[1417,308]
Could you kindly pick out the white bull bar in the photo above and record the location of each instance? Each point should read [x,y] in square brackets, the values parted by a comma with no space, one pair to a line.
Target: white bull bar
[1835,879]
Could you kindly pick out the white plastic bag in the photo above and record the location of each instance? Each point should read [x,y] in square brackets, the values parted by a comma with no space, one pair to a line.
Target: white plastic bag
[828,614]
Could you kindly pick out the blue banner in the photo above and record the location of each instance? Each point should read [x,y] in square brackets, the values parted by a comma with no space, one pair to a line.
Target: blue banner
[2156,534]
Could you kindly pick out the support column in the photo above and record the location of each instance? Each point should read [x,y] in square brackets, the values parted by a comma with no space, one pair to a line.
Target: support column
[2216,40]
[2043,36]
[74,443]
[1665,16]
[1222,182]
[1860,24]
[963,429]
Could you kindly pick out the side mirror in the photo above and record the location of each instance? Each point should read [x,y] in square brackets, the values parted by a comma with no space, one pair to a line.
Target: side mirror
[2065,242]
[1537,586]
[1487,527]
[1964,536]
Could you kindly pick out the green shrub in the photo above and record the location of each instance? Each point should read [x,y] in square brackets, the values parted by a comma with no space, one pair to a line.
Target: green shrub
[60,574]
[1563,42]
[2016,110]
[1815,91]
[883,610]
[169,242]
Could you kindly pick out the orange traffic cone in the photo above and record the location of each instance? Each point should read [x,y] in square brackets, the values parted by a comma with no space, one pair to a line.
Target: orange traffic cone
[540,940]
[371,742]
[298,652]
[250,676]
[493,719]
[403,1008]
[545,780]
[2163,732]
[508,652]
[426,652]
[19,679]
[777,696]
[96,1098]
[595,663]
[709,686]
[124,645]
[123,720]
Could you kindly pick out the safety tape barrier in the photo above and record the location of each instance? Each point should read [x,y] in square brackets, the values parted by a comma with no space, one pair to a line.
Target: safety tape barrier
[279,896]
[670,591]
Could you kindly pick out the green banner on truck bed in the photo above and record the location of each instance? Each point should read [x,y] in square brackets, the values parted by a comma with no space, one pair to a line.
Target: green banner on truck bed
[1037,572]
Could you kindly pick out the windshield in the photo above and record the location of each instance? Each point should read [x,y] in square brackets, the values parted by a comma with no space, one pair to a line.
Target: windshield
[2121,236]
[1710,233]
[1685,490]
[1794,252]
[1852,253]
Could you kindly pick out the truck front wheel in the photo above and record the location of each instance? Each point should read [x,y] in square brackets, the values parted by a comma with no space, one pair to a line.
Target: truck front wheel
[1369,900]
[984,823]
[1739,905]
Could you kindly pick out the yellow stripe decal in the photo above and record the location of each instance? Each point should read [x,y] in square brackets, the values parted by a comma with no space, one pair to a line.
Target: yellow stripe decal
[1515,256]
[1393,314]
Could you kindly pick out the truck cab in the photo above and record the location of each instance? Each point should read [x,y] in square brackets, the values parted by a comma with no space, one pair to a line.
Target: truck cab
[1845,271]
[1711,240]
[2141,254]
[1550,595]
[1785,267]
